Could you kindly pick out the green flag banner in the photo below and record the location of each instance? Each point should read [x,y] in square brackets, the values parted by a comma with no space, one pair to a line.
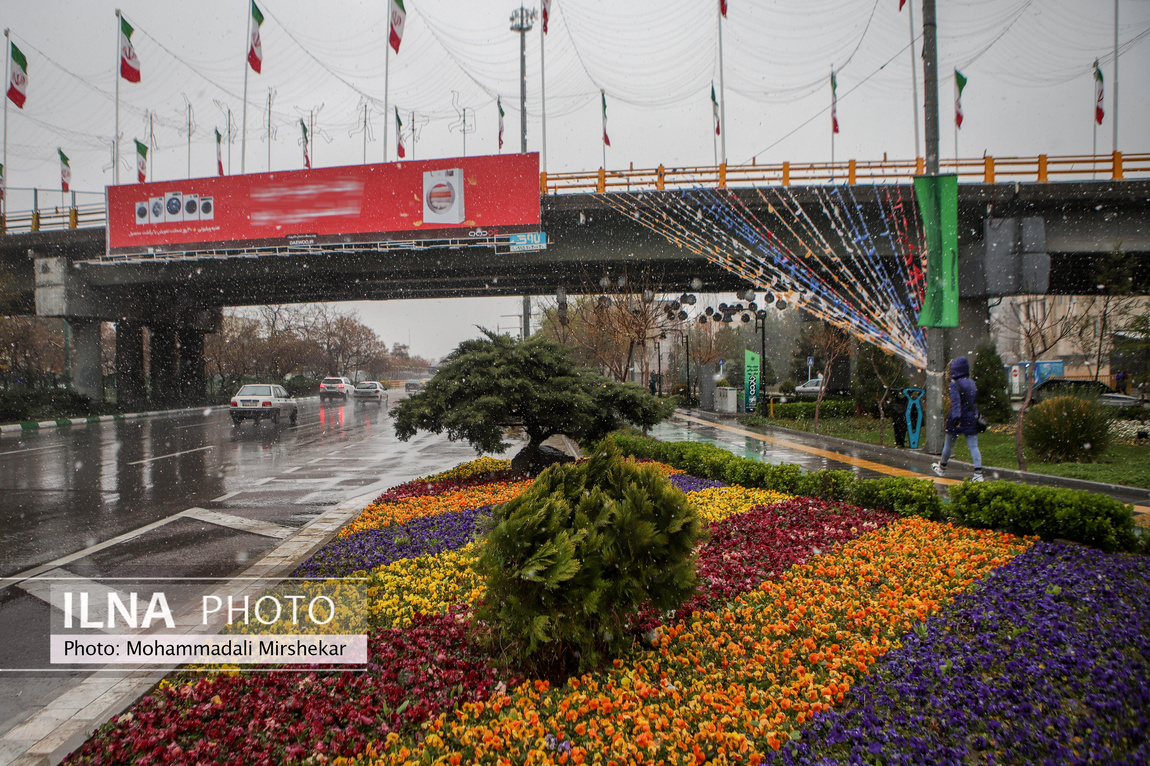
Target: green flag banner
[751,380]
[938,203]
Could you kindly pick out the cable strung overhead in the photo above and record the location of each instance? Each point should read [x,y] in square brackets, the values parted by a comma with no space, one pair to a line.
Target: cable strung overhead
[859,267]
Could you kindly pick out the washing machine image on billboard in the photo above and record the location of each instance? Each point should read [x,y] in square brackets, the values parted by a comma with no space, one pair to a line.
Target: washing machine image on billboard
[207,209]
[141,213]
[156,210]
[192,207]
[443,196]
[173,207]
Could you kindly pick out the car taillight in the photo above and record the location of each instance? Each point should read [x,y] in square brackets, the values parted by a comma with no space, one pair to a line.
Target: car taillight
[234,404]
[341,385]
[267,404]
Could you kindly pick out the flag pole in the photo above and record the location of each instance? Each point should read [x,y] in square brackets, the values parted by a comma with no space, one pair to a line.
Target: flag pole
[7,82]
[914,83]
[1094,123]
[722,94]
[116,74]
[244,121]
[386,65]
[714,138]
[543,96]
[1115,99]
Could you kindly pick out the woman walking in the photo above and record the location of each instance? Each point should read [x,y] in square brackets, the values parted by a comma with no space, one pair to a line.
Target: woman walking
[962,418]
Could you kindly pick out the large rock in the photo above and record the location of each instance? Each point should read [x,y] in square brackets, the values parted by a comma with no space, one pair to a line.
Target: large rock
[532,460]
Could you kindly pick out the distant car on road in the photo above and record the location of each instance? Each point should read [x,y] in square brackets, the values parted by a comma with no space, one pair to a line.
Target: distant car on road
[810,388]
[370,391]
[1091,389]
[413,385]
[335,388]
[263,401]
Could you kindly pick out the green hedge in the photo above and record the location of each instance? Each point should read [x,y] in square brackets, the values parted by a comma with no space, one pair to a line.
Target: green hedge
[832,408]
[22,405]
[906,497]
[1049,512]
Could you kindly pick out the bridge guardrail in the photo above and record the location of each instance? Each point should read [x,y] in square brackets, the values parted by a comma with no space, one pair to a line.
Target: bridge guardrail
[988,169]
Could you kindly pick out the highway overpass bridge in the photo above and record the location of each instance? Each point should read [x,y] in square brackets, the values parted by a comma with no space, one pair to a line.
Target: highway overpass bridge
[1015,237]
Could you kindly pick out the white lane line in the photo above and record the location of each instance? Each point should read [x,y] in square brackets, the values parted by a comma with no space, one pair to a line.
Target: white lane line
[293,470]
[225,496]
[133,534]
[262,482]
[49,588]
[172,454]
[30,449]
[256,527]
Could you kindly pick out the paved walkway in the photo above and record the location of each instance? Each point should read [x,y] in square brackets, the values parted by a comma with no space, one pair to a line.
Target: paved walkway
[813,452]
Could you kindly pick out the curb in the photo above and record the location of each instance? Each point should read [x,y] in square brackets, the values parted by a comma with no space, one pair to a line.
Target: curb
[44,425]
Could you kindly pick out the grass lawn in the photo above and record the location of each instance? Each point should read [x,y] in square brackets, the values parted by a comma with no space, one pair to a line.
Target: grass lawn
[1122,464]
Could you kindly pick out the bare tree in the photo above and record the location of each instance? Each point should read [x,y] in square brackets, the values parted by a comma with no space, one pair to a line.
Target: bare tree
[832,343]
[1040,325]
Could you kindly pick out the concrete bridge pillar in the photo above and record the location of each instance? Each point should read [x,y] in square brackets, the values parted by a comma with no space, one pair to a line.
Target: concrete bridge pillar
[87,378]
[190,341]
[130,383]
[164,364]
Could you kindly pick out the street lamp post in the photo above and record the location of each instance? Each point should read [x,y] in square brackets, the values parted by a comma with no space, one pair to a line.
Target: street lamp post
[522,20]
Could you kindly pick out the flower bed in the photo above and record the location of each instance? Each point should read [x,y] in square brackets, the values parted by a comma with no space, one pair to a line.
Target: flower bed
[820,629]
[1048,661]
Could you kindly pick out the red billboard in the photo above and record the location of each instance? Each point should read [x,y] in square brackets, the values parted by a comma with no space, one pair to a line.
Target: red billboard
[424,200]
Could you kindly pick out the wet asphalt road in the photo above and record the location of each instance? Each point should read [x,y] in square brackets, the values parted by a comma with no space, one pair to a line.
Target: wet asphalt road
[177,495]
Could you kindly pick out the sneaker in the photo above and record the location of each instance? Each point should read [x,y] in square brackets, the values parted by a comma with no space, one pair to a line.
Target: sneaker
[938,468]
[977,476]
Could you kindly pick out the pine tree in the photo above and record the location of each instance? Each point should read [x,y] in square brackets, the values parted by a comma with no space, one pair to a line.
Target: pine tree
[491,383]
[989,374]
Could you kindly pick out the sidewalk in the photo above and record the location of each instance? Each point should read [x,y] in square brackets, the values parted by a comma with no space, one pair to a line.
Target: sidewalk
[892,461]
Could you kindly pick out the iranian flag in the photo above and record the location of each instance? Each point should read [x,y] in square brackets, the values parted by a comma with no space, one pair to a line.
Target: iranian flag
[141,162]
[901,3]
[723,8]
[546,13]
[834,103]
[1099,113]
[499,105]
[398,16]
[715,109]
[1,182]
[959,84]
[399,135]
[129,64]
[256,51]
[219,153]
[606,138]
[306,158]
[18,82]
[65,170]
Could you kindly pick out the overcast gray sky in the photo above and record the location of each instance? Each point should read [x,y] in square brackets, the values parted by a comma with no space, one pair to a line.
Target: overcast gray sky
[1028,63]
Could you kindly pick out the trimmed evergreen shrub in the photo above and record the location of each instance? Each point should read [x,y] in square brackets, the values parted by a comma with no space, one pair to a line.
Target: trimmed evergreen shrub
[899,494]
[1067,429]
[832,408]
[832,486]
[989,374]
[33,404]
[787,387]
[572,559]
[1049,512]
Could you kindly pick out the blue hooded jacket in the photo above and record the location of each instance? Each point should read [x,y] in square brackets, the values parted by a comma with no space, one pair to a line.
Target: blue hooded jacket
[963,415]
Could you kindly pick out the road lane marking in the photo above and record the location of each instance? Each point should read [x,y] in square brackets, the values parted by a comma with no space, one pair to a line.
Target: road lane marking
[42,588]
[31,449]
[171,454]
[254,526]
[225,496]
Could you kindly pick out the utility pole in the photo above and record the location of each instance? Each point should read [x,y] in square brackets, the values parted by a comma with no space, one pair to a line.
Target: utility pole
[522,21]
[935,336]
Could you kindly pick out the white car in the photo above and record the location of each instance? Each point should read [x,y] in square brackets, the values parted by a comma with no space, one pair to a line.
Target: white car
[263,401]
[370,391]
[811,387]
[335,388]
